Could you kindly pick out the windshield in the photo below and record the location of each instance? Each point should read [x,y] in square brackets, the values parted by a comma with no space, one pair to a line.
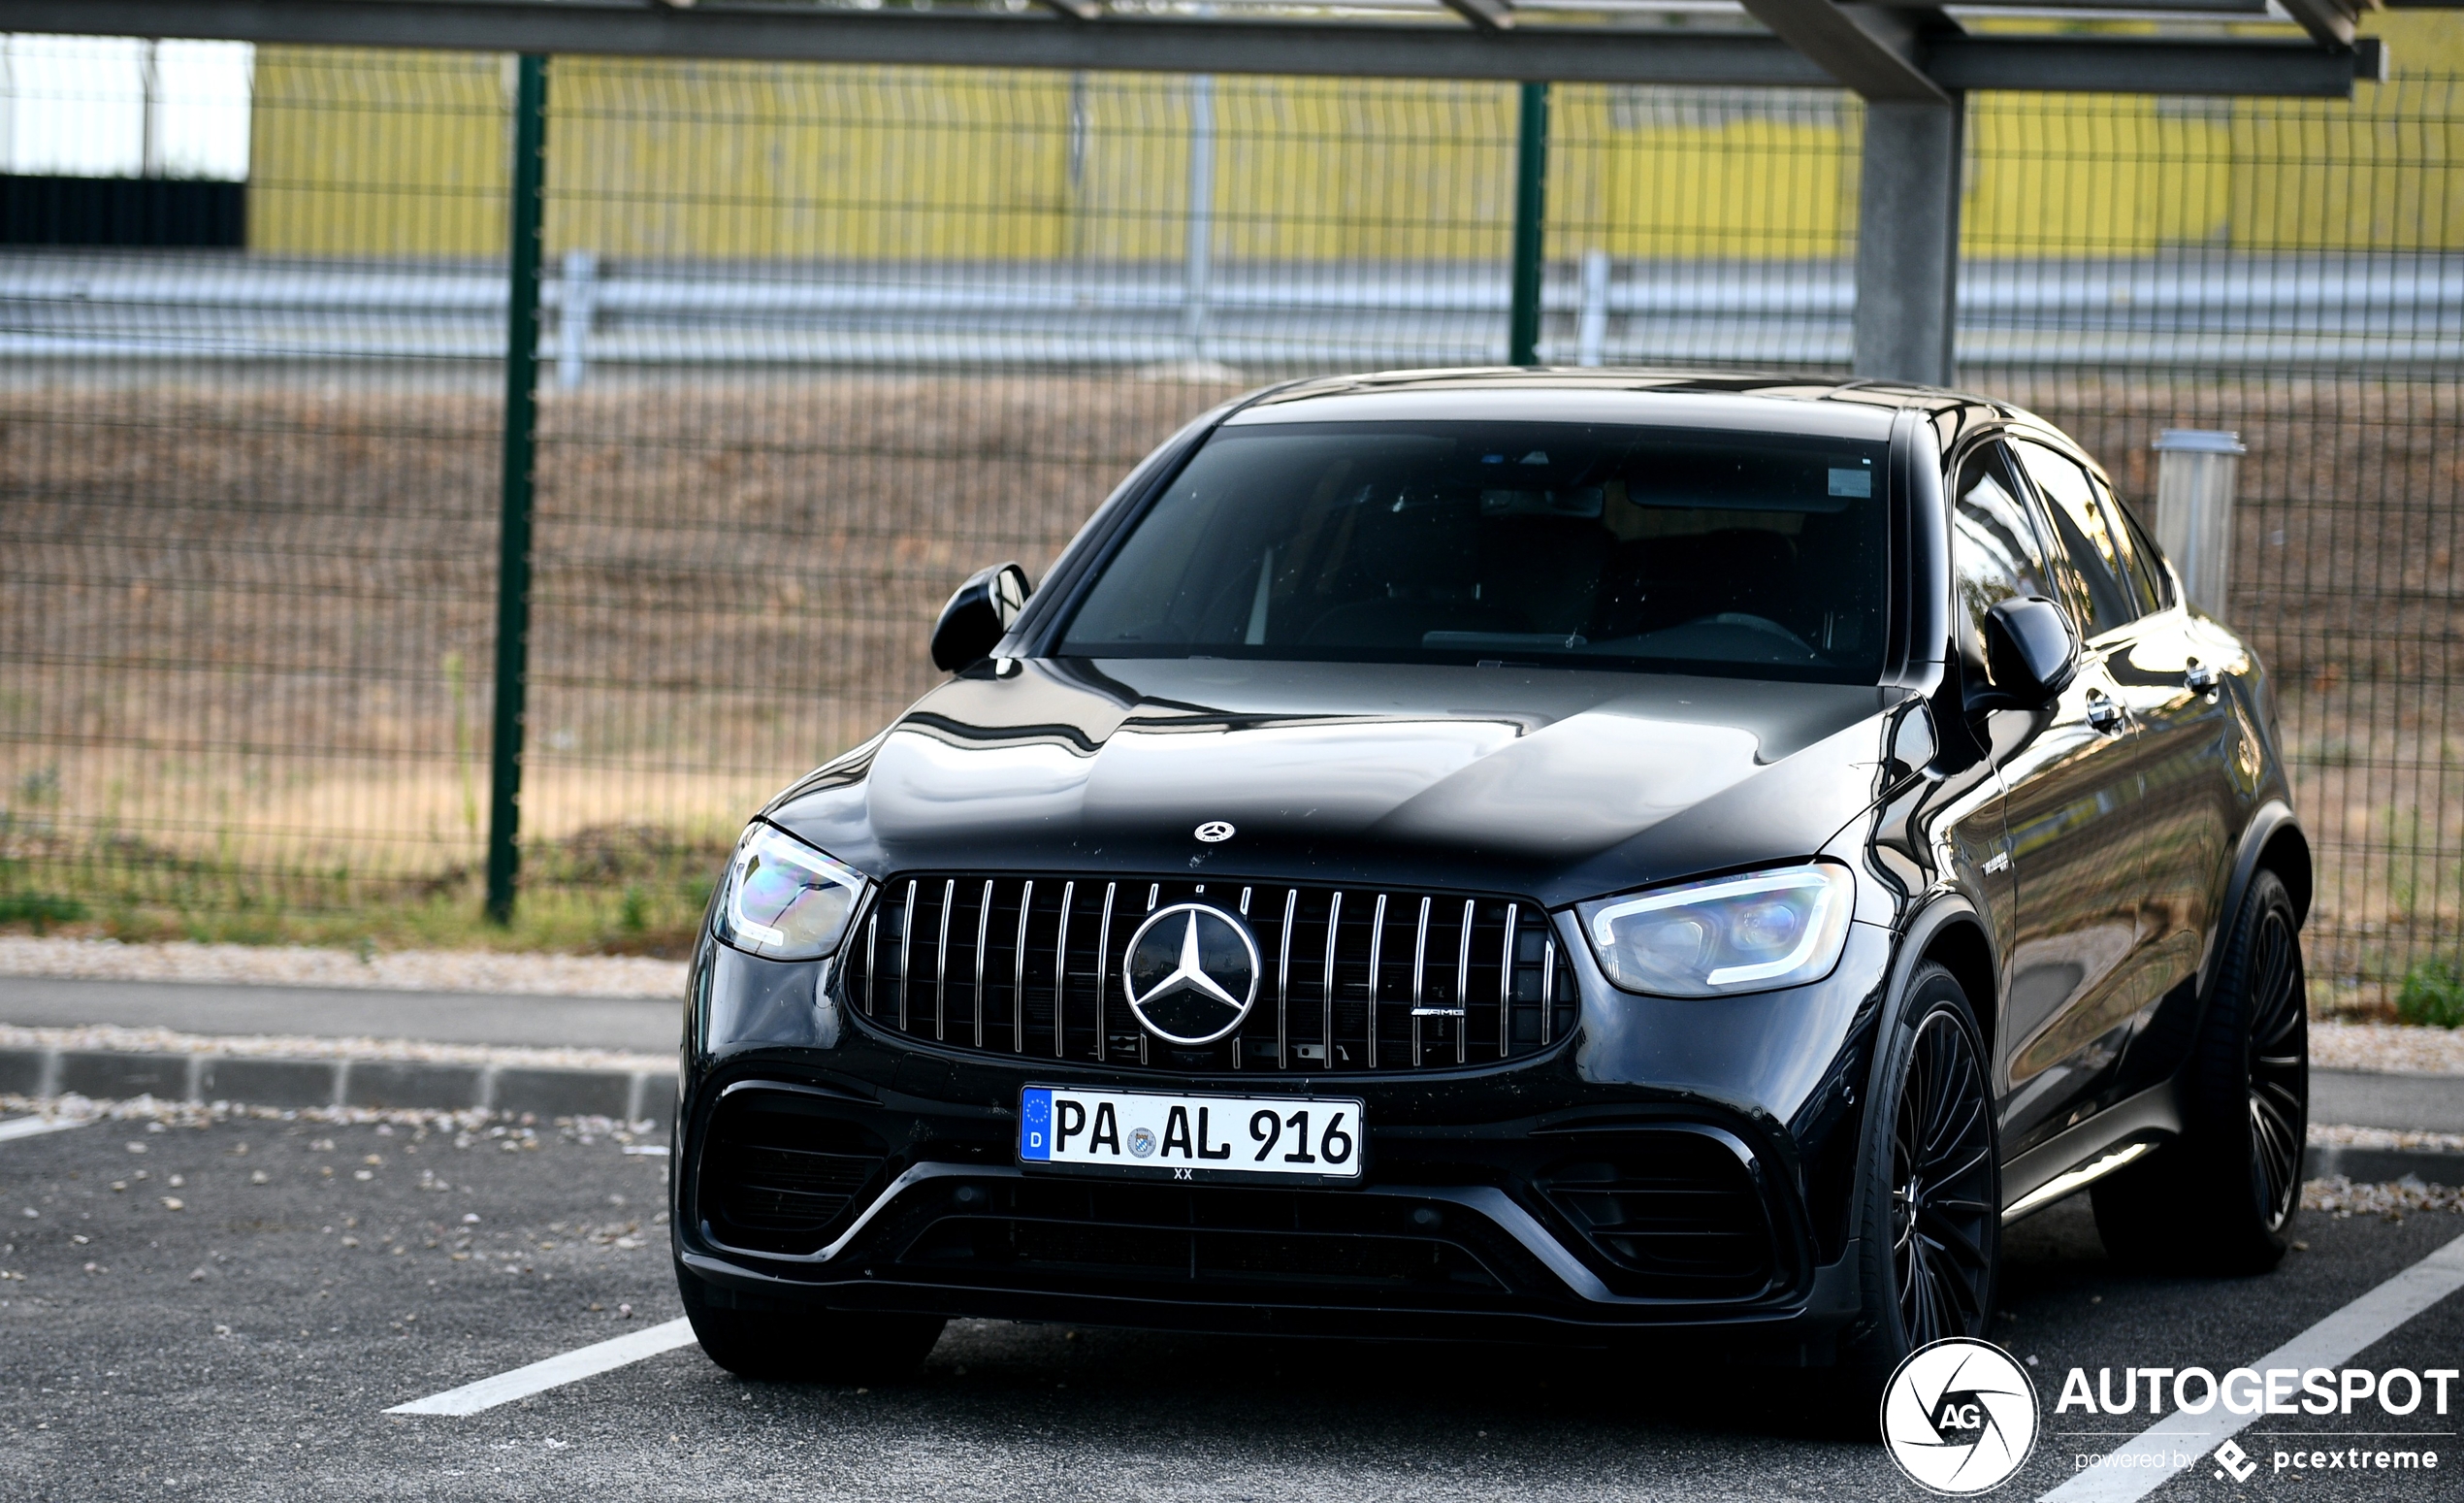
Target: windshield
[1743,554]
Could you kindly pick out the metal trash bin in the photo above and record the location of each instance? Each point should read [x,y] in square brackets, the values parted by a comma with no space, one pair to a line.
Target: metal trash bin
[2197,470]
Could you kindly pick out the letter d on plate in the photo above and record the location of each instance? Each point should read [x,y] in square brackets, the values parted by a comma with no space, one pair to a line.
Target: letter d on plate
[1035,1124]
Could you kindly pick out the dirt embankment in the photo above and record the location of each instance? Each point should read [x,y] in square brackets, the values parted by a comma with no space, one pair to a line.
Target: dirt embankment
[254,626]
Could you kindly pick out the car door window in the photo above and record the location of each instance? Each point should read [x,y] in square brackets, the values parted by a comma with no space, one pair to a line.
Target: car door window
[2086,536]
[2148,577]
[1996,551]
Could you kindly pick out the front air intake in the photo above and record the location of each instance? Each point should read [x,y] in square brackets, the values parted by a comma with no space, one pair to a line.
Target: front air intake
[1678,1212]
[780,1174]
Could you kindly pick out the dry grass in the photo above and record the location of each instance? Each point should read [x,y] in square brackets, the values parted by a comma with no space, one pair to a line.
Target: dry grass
[248,646]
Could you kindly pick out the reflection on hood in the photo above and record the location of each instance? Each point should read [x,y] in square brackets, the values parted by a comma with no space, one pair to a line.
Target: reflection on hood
[1346,772]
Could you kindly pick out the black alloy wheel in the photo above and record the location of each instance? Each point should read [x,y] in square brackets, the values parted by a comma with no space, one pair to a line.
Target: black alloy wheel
[2277,1067]
[1930,1196]
[1945,1200]
[2217,1198]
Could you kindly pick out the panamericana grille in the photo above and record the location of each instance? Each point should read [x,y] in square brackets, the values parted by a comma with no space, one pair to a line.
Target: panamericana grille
[1352,978]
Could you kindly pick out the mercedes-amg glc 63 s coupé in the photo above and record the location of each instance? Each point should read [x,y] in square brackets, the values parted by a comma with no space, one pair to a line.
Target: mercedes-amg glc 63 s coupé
[1563,856]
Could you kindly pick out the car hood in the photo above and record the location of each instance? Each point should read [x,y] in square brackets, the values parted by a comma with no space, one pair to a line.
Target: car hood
[1559,784]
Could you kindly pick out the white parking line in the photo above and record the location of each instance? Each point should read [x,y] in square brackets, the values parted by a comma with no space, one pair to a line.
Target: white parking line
[557,1371]
[35,1126]
[2331,1343]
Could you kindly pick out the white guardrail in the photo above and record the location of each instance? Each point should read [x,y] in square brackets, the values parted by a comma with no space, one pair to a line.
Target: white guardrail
[2192,309]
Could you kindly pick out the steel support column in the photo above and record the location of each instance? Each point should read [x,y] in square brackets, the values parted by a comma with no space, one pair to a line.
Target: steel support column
[513,545]
[1531,214]
[1908,240]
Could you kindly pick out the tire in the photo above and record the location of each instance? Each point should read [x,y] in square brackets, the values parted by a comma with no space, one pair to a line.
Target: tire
[2220,1198]
[808,1346]
[1930,1196]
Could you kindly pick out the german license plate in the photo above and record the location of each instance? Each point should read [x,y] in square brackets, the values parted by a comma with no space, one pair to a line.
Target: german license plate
[1160,1135]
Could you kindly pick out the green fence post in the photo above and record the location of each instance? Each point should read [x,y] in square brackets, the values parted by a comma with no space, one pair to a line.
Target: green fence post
[513,543]
[1531,204]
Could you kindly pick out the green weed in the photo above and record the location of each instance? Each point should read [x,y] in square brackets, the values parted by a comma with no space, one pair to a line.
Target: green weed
[40,910]
[2433,993]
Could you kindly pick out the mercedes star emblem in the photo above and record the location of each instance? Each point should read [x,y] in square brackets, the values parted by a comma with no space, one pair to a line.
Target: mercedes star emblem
[1191,973]
[1214,831]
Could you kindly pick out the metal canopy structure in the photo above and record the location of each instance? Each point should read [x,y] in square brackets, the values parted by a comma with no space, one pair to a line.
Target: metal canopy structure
[1899,50]
[1912,62]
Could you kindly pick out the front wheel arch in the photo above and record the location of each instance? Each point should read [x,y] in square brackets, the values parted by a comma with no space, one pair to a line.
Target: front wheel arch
[2272,839]
[1948,931]
[1920,1004]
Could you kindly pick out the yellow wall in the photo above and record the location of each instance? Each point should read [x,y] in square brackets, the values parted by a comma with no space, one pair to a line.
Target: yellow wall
[403,154]
[397,154]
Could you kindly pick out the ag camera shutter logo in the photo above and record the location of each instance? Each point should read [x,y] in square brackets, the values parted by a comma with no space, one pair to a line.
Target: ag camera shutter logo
[1958,1416]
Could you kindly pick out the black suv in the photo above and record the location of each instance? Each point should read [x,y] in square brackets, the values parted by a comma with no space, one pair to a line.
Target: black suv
[1524,855]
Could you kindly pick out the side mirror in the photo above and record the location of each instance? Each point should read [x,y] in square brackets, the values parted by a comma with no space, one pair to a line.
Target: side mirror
[979,616]
[2030,656]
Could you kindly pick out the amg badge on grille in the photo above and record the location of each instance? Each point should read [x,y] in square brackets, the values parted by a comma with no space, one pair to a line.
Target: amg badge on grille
[1191,973]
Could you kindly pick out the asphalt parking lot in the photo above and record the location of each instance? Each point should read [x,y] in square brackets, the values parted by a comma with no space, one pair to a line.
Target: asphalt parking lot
[227,1310]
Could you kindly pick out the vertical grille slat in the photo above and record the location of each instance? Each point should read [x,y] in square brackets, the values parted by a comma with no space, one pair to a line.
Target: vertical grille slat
[1549,985]
[873,958]
[1376,957]
[1060,974]
[1103,992]
[1283,982]
[1419,978]
[906,952]
[941,962]
[1506,984]
[1237,1049]
[982,935]
[1463,986]
[1357,980]
[1327,1033]
[1018,983]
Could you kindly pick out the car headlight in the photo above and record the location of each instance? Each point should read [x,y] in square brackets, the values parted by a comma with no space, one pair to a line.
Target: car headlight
[784,900]
[1755,932]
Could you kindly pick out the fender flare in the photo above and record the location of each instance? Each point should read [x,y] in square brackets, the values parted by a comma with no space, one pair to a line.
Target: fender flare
[1945,907]
[2271,819]
[1940,912]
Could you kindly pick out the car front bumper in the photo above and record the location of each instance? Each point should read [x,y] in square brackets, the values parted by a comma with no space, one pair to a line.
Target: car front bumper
[822,1162]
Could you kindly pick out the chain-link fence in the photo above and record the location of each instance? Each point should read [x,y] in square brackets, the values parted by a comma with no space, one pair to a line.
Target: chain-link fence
[817,342]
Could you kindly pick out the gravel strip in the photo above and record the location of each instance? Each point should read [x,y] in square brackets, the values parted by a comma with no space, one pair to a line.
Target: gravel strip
[2330,1135]
[2389,1047]
[276,1046]
[2341,1197]
[161,1116]
[298,965]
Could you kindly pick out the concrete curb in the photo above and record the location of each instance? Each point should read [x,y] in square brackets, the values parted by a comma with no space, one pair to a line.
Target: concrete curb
[2383,1166]
[633,1096]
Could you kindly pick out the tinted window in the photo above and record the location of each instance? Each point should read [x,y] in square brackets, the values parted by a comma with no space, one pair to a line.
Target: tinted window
[1995,548]
[2148,577]
[1602,545]
[2087,537]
